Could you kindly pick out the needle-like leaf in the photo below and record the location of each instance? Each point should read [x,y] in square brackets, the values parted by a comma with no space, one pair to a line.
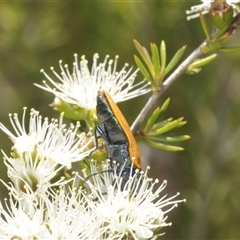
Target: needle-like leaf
[174,60]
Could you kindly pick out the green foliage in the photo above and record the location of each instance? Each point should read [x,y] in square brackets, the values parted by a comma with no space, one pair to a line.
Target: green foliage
[230,49]
[153,130]
[195,67]
[155,68]
[176,58]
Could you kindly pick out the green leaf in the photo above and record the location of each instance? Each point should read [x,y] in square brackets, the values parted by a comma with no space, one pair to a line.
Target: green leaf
[145,56]
[175,60]
[155,60]
[170,139]
[193,71]
[164,106]
[204,25]
[159,125]
[140,49]
[182,123]
[163,146]
[144,72]
[157,112]
[174,124]
[201,62]
[163,53]
[195,67]
[230,49]
[152,119]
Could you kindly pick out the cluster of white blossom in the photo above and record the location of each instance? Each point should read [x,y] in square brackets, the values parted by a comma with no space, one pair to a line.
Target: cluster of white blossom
[46,200]
[88,213]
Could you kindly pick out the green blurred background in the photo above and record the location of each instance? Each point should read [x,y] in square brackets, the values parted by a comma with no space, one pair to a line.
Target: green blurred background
[35,35]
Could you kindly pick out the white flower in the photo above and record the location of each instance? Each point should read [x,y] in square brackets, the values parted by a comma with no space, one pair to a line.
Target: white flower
[31,175]
[80,87]
[135,212]
[64,217]
[68,215]
[19,221]
[47,139]
[207,5]
[62,214]
[92,212]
